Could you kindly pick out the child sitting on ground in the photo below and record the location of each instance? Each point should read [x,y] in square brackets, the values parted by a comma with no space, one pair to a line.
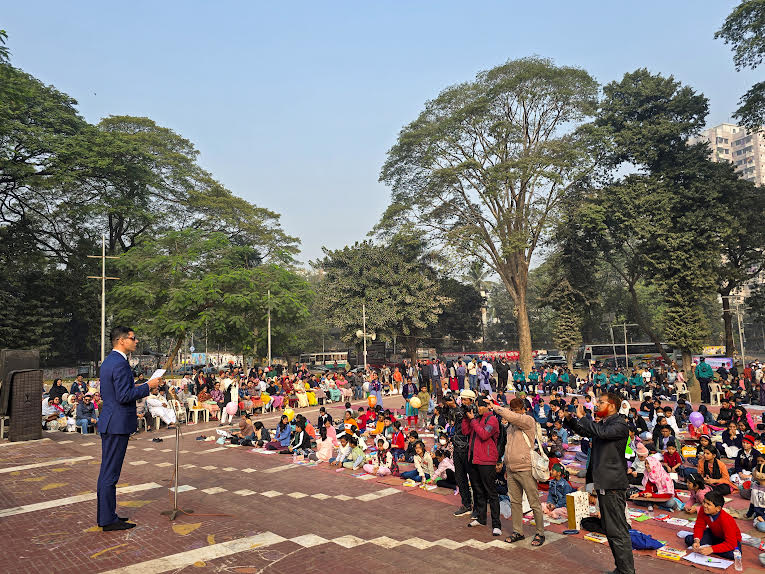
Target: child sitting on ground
[697,490]
[672,461]
[423,464]
[356,457]
[635,472]
[555,507]
[444,474]
[343,452]
[715,531]
[657,485]
[324,446]
[382,462]
[398,441]
[757,500]
[411,441]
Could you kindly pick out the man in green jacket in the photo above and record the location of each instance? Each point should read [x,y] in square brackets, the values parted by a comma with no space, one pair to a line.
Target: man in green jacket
[705,375]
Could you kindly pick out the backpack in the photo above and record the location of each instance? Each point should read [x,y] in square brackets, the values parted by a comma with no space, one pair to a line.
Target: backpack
[540,464]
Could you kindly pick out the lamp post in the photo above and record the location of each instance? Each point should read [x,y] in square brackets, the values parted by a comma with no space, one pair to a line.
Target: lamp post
[363,332]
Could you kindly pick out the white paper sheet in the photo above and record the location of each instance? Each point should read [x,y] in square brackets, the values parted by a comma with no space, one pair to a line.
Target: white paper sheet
[157,374]
[711,561]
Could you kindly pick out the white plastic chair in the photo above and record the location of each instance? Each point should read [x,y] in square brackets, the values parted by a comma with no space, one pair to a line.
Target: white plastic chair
[715,393]
[681,389]
[195,408]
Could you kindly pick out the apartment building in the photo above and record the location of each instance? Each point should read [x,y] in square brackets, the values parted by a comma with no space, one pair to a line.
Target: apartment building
[745,151]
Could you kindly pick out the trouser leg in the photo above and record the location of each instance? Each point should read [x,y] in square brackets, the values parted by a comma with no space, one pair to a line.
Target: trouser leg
[614,521]
[461,465]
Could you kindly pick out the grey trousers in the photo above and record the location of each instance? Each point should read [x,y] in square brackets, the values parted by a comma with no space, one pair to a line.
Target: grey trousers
[614,522]
[517,484]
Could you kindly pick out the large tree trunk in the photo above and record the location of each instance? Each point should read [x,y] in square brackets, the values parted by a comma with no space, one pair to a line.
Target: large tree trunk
[690,377]
[643,324]
[524,334]
[171,356]
[727,321]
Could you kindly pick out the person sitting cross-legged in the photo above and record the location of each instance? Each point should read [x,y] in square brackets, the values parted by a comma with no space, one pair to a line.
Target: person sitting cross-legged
[715,532]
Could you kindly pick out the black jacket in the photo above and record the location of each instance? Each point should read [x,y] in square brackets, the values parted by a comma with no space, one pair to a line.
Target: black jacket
[607,467]
[459,440]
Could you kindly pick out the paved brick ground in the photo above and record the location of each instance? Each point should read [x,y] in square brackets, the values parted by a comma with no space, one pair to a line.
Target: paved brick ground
[279,517]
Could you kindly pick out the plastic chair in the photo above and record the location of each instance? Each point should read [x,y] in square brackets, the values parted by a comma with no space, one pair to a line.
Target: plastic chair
[180,410]
[645,394]
[715,393]
[681,389]
[195,408]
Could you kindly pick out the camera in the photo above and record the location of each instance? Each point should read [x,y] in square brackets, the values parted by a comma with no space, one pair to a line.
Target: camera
[470,408]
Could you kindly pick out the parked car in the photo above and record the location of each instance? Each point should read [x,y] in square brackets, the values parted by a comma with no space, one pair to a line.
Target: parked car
[550,361]
[619,362]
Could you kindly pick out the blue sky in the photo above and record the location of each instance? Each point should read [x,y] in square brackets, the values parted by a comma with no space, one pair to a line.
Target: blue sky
[293,105]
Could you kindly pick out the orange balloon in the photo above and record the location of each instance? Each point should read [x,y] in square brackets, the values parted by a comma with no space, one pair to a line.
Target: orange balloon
[372,400]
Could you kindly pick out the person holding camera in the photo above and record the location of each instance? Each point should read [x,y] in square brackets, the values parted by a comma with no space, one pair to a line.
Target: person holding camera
[482,430]
[460,442]
[518,467]
[607,470]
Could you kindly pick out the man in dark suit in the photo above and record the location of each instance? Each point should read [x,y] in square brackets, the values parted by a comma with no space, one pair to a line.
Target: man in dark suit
[116,422]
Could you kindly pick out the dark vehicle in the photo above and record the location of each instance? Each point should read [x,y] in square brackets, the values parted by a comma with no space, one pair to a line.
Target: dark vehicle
[187,369]
[619,362]
[550,361]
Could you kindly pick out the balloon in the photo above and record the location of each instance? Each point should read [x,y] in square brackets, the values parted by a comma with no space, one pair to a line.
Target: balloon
[372,400]
[365,386]
[415,402]
[697,419]
[231,408]
[290,414]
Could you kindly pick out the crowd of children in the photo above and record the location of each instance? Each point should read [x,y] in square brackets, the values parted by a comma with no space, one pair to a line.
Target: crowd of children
[672,449]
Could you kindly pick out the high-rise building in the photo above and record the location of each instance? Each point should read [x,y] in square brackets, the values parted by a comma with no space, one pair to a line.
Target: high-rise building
[745,151]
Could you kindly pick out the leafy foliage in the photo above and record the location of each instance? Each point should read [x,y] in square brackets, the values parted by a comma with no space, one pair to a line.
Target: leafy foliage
[744,31]
[401,294]
[482,169]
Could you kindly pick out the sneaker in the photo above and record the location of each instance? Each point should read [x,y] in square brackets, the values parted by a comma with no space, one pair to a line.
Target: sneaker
[475,523]
[496,532]
[463,510]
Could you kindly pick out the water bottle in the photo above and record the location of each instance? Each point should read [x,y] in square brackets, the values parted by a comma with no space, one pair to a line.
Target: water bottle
[737,560]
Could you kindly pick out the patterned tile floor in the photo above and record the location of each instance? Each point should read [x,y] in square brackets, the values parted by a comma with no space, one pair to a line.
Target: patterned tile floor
[251,513]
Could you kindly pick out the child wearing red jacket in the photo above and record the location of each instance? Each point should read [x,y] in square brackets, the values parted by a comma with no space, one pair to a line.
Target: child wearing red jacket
[397,442]
[715,532]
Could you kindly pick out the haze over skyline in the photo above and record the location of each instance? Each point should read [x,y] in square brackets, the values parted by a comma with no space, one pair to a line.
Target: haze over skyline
[294,106]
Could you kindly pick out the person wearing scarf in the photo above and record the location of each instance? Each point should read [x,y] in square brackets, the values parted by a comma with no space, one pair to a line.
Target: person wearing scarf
[382,462]
[715,473]
[657,484]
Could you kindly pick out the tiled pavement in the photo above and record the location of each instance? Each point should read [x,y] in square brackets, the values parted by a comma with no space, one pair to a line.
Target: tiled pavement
[252,513]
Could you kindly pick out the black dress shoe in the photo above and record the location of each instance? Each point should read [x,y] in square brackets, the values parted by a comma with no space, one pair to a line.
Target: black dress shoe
[123,518]
[119,525]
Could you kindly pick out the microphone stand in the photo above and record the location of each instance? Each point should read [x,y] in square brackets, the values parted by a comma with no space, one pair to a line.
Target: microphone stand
[175,511]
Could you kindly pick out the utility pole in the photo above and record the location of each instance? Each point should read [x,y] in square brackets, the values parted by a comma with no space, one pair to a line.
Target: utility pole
[103,257]
[269,327]
[364,327]
[626,354]
[736,299]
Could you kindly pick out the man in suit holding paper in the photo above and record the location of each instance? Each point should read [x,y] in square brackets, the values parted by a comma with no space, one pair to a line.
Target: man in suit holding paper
[117,421]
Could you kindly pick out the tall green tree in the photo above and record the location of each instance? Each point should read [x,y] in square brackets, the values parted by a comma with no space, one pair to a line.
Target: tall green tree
[649,119]
[744,30]
[482,170]
[400,293]
[194,280]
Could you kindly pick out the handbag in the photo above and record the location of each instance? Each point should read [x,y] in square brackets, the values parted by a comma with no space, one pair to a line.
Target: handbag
[540,464]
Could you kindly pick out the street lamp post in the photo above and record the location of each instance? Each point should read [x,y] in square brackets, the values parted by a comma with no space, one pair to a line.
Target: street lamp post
[362,333]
